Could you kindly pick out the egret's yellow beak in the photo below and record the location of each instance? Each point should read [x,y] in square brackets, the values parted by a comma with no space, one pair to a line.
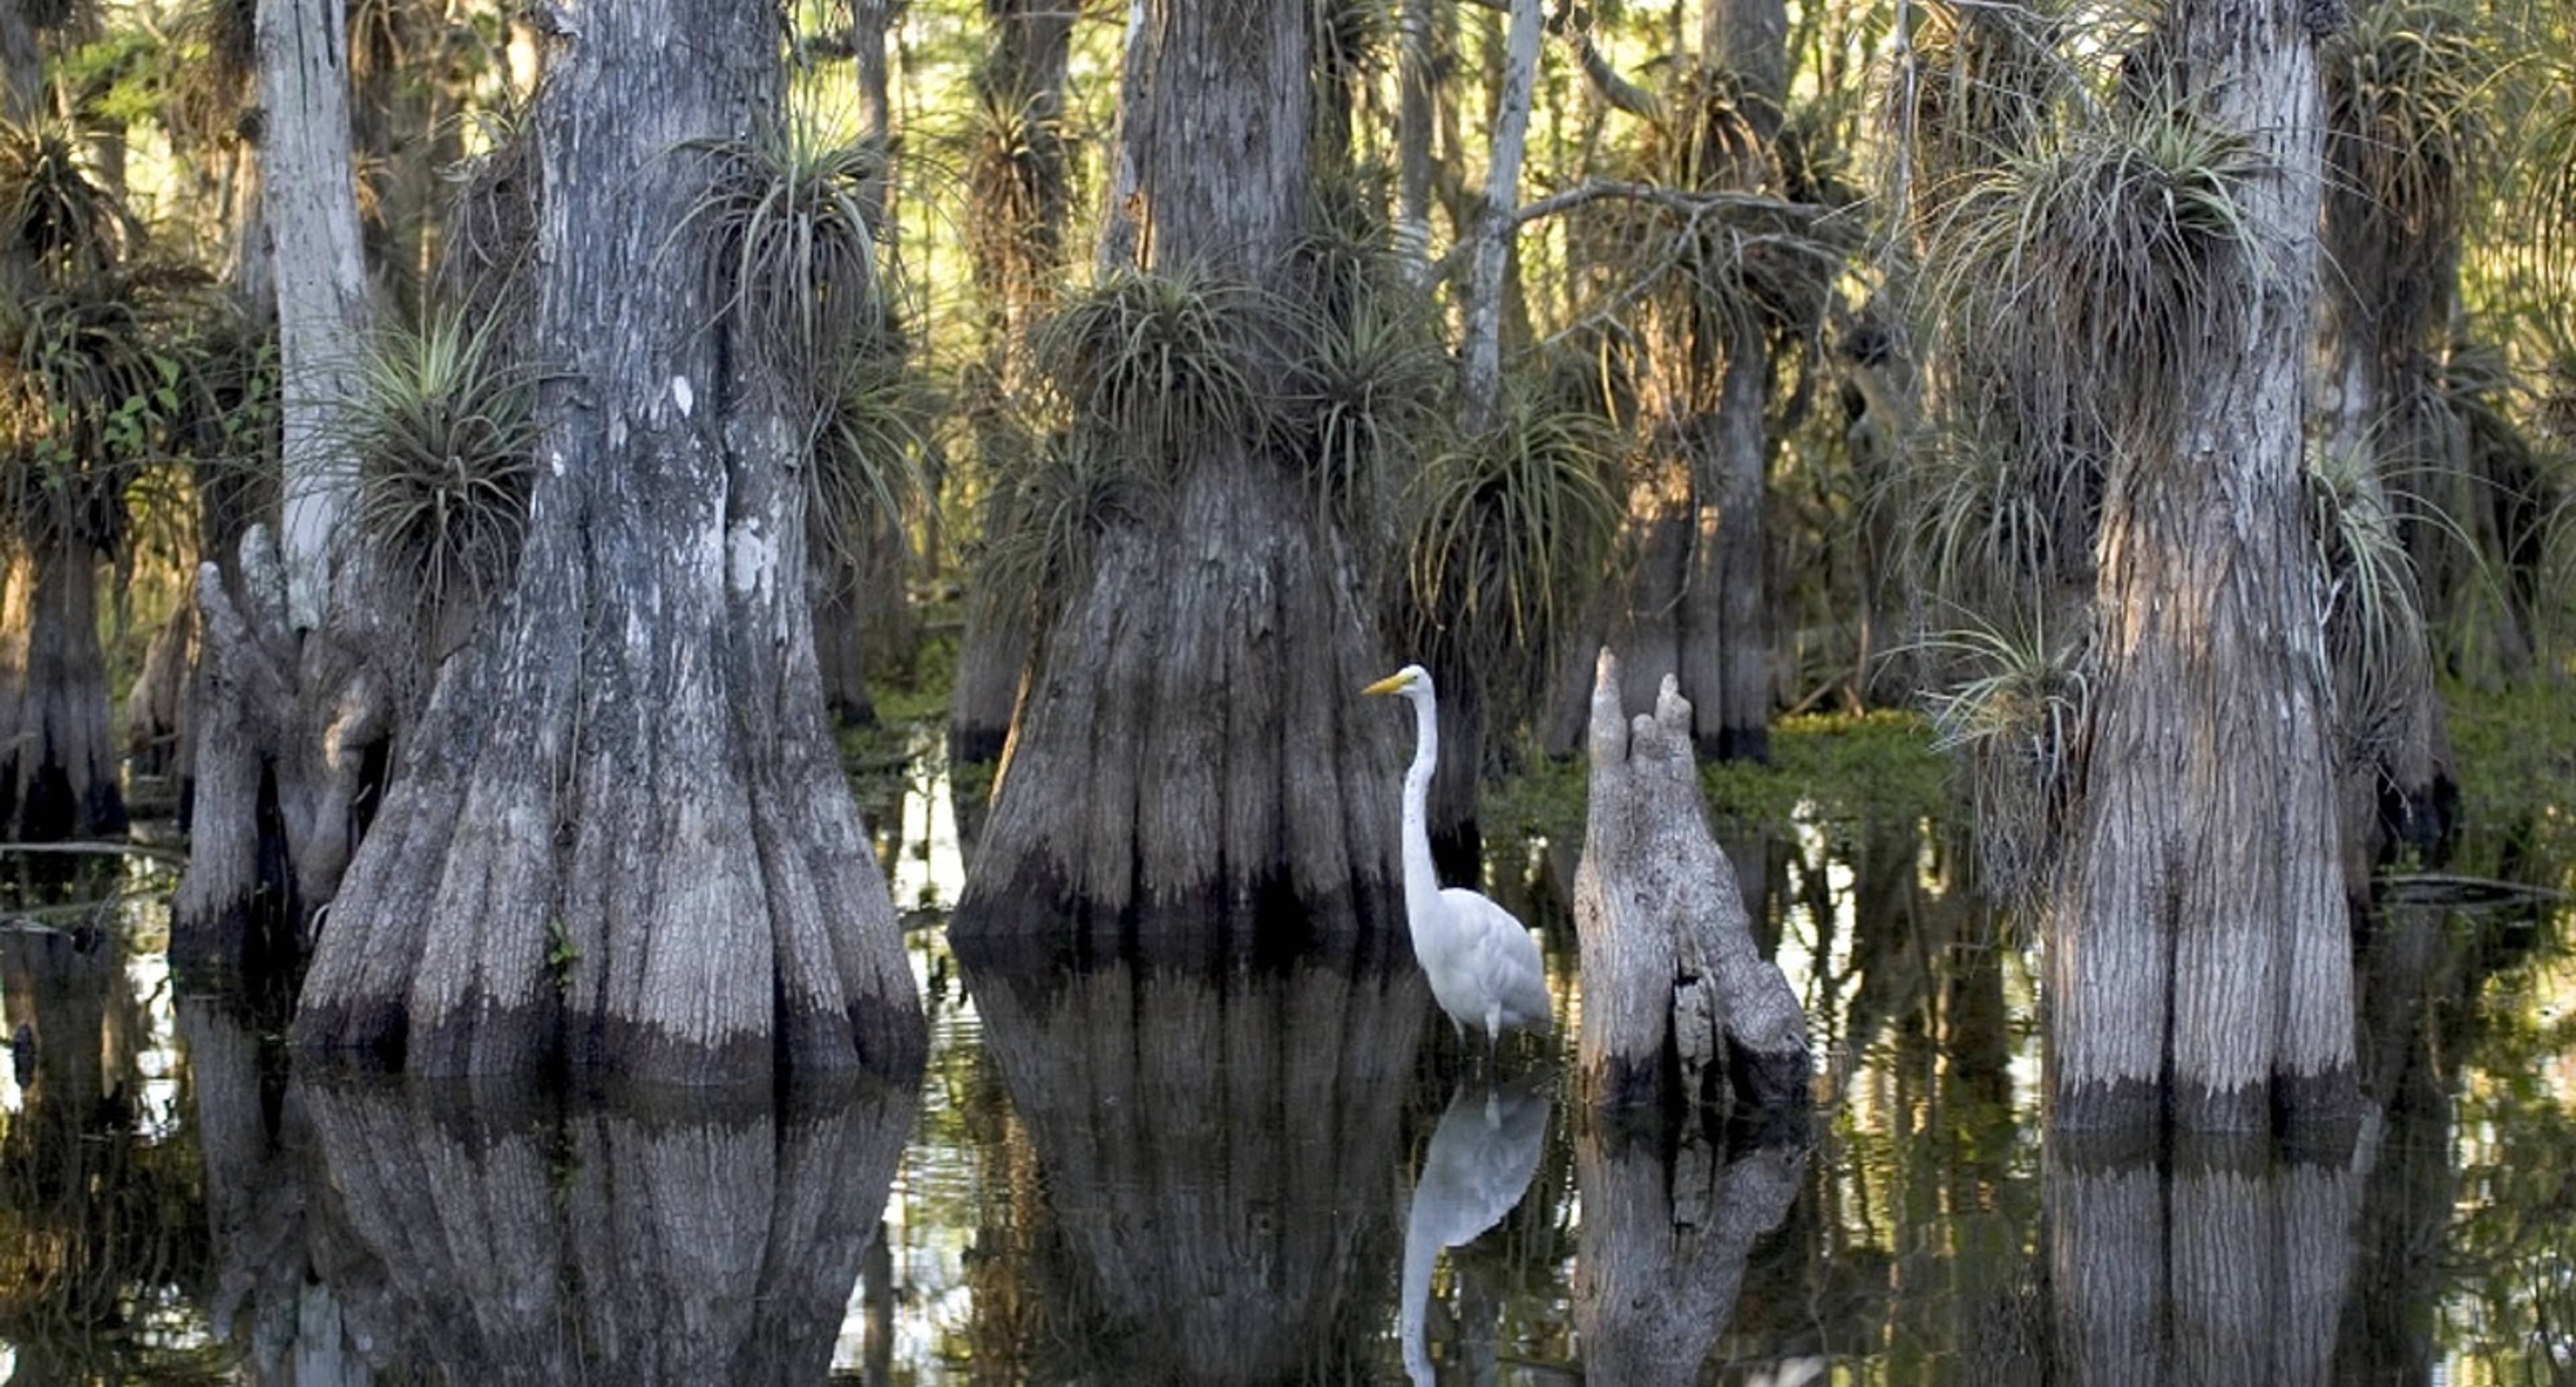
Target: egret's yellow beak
[1389,684]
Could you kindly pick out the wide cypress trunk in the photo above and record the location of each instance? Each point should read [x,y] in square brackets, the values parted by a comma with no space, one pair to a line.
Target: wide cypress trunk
[57,762]
[621,835]
[1194,732]
[2199,930]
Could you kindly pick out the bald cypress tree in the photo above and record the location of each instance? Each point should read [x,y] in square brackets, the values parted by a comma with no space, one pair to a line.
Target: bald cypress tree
[620,834]
[1193,731]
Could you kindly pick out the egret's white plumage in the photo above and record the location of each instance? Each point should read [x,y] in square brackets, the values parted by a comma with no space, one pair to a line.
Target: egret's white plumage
[1484,968]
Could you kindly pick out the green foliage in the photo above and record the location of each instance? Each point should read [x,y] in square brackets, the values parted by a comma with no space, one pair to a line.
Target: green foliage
[1157,366]
[2091,265]
[789,253]
[2014,721]
[1019,176]
[1056,499]
[863,472]
[1975,85]
[2374,628]
[1509,521]
[53,207]
[443,434]
[1834,771]
[1365,397]
[491,213]
[2405,133]
[214,56]
[86,391]
[2514,755]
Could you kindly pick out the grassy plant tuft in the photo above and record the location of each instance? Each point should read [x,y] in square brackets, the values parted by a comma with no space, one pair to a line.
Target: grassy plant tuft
[444,437]
[790,254]
[1509,519]
[2013,722]
[2103,255]
[52,206]
[1158,365]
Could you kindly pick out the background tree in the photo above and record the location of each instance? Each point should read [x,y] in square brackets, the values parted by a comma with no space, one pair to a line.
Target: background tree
[1020,164]
[292,707]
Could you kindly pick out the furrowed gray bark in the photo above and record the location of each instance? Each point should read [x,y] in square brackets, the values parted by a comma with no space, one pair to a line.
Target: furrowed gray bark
[1676,996]
[1193,732]
[290,693]
[322,316]
[621,836]
[2205,842]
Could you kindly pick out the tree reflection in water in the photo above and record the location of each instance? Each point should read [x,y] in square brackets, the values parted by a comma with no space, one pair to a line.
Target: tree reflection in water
[1195,1166]
[1214,1136]
[381,1231]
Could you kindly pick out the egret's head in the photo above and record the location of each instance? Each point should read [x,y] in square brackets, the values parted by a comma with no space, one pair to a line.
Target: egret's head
[1413,681]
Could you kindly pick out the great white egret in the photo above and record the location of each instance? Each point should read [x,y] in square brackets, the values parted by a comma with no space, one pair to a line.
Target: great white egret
[1484,969]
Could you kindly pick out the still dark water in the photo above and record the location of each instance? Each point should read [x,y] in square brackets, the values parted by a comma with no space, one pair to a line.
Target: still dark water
[1290,1172]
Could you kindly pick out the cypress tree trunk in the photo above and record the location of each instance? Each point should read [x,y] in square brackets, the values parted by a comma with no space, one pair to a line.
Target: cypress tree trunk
[1194,732]
[1677,998]
[290,704]
[621,835]
[1725,660]
[22,72]
[1015,264]
[2200,925]
[58,773]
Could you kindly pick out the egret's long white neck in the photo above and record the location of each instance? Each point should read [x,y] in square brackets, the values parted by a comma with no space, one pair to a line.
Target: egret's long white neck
[1421,882]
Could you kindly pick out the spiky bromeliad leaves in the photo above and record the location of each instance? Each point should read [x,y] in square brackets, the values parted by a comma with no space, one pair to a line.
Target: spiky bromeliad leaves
[1507,519]
[2101,256]
[1367,392]
[53,206]
[2404,135]
[790,254]
[444,435]
[863,460]
[1154,364]
[85,391]
[2015,716]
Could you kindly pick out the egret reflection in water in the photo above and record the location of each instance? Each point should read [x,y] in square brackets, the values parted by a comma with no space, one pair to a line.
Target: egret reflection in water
[1475,1171]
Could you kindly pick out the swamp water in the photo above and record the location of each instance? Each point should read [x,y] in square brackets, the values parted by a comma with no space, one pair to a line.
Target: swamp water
[1288,1170]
